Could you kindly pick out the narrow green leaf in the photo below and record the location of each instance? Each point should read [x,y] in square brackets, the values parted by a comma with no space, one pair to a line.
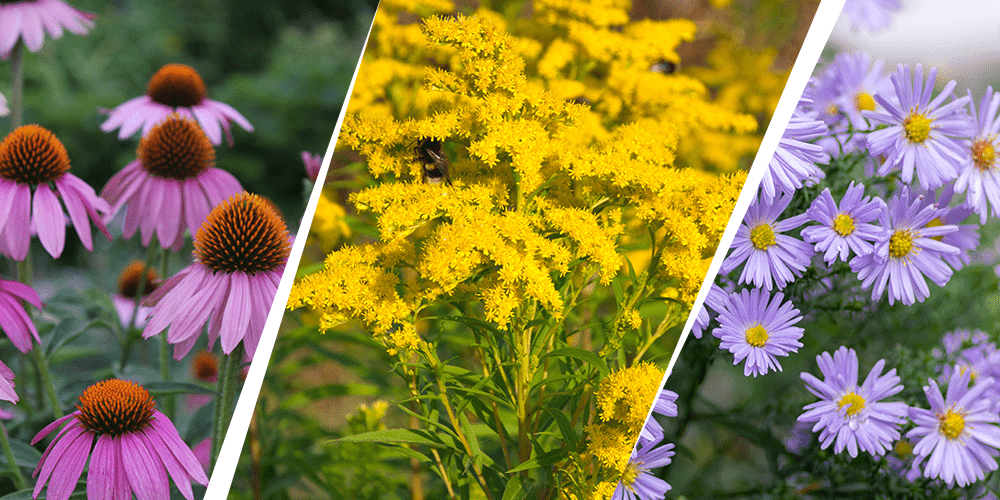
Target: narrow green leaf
[583,355]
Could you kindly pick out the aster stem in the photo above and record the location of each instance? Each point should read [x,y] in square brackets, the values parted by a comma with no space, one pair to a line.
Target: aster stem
[17,84]
[228,378]
[22,484]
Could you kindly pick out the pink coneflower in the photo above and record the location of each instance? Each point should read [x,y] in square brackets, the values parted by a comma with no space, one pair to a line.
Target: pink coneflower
[7,389]
[240,253]
[173,184]
[32,161]
[28,20]
[136,448]
[13,318]
[128,287]
[175,88]
[204,368]
[313,164]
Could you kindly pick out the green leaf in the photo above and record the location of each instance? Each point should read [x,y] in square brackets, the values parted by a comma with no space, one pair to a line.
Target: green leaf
[25,455]
[324,391]
[162,388]
[401,436]
[544,460]
[514,490]
[565,427]
[583,355]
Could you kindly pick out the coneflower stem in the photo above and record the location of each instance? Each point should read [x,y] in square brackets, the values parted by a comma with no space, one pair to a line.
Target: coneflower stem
[140,291]
[168,400]
[228,380]
[50,389]
[17,84]
[8,452]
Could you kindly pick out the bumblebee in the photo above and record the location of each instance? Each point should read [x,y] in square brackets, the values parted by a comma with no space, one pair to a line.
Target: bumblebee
[429,151]
[664,67]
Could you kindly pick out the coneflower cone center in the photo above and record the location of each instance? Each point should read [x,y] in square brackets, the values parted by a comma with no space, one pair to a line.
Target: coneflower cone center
[864,101]
[917,128]
[176,85]
[952,424]
[762,237]
[242,233]
[32,155]
[843,224]
[900,243]
[984,154]
[857,403]
[756,336]
[176,148]
[115,407]
[205,366]
[128,280]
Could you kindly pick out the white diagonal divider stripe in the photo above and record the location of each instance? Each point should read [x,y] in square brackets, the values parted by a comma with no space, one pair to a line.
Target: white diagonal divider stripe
[229,455]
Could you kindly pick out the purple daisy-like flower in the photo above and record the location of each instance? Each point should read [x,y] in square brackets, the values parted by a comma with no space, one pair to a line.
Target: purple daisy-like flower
[965,350]
[979,172]
[240,253]
[794,162]
[849,416]
[136,448]
[859,80]
[873,15]
[844,228]
[965,238]
[637,483]
[923,135]
[666,404]
[175,88]
[172,186]
[758,328]
[29,20]
[772,259]
[34,177]
[715,300]
[959,435]
[906,252]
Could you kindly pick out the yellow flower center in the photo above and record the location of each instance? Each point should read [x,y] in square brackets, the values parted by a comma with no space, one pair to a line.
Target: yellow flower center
[935,222]
[857,403]
[917,127]
[952,424]
[843,224]
[756,336]
[903,448]
[762,237]
[901,243]
[864,102]
[630,474]
[832,109]
[984,154]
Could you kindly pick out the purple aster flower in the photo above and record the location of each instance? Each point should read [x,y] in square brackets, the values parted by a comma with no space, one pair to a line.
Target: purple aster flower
[859,80]
[965,238]
[979,172]
[772,259]
[907,252]
[794,162]
[959,435]
[136,448]
[29,20]
[175,88]
[240,253]
[34,177]
[970,350]
[666,404]
[715,300]
[922,134]
[637,483]
[873,15]
[851,416]
[757,328]
[845,228]
[172,186]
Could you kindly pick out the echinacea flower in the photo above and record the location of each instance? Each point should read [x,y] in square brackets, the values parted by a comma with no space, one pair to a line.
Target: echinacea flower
[959,435]
[173,184]
[28,20]
[637,482]
[240,253]
[204,368]
[175,88]
[979,172]
[136,448]
[32,161]
[128,287]
[313,164]
[757,328]
[13,318]
[772,259]
[922,134]
[850,416]
[7,389]
[845,228]
[907,252]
